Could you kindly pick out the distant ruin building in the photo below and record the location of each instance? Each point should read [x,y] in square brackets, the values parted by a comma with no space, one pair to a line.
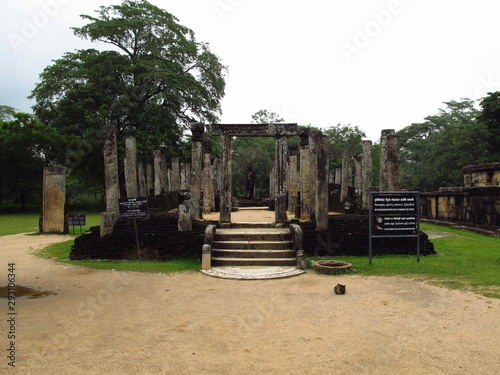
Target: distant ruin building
[482,175]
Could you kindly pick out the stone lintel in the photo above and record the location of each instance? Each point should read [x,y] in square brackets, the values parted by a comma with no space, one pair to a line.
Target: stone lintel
[254,130]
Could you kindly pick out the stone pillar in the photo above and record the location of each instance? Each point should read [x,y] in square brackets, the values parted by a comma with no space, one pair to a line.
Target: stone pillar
[111,179]
[165,184]
[131,180]
[207,178]
[306,186]
[366,174]
[196,168]
[384,150]
[184,224]
[54,199]
[357,174]
[225,176]
[393,162]
[344,187]
[331,177]
[142,180]
[280,162]
[184,179]
[149,178]
[321,199]
[313,149]
[293,177]
[176,175]
[157,171]
[338,176]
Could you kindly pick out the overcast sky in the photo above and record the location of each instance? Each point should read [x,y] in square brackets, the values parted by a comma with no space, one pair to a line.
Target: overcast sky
[374,64]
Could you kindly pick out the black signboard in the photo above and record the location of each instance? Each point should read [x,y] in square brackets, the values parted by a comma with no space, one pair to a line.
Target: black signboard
[75,220]
[134,208]
[394,214]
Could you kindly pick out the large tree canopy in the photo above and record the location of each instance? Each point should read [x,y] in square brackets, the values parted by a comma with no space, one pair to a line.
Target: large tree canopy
[153,83]
[435,151]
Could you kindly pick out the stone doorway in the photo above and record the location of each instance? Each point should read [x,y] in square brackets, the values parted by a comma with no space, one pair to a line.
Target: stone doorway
[280,132]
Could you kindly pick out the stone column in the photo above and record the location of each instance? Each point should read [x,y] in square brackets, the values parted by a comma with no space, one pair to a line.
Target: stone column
[321,200]
[142,180]
[344,184]
[293,177]
[280,162]
[338,176]
[54,199]
[357,174]
[157,171]
[196,168]
[313,149]
[306,186]
[111,180]
[207,178]
[366,174]
[393,162]
[384,149]
[166,186]
[131,180]
[184,179]
[149,178]
[331,177]
[176,175]
[225,176]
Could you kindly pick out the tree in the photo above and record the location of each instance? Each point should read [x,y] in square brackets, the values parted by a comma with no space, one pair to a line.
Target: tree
[340,138]
[435,151]
[490,118]
[153,84]
[26,145]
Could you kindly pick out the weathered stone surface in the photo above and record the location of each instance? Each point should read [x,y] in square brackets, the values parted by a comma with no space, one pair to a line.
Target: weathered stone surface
[306,186]
[280,163]
[321,200]
[54,199]
[111,180]
[142,180]
[157,171]
[185,224]
[108,220]
[393,163]
[196,169]
[293,177]
[149,178]
[176,174]
[345,175]
[206,257]
[225,171]
[184,179]
[207,178]
[131,180]
[367,174]
[254,130]
[313,151]
[384,150]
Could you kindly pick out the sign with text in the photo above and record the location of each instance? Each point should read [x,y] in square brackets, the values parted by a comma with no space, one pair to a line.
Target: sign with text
[75,220]
[134,208]
[395,214]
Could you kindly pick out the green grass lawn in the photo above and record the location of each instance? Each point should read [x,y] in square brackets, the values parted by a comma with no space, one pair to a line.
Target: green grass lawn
[467,261]
[28,223]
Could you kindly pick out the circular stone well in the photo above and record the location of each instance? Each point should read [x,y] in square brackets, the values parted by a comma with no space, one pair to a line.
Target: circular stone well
[331,266]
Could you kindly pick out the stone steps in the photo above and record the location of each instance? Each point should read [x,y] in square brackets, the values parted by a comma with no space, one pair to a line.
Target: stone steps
[247,245]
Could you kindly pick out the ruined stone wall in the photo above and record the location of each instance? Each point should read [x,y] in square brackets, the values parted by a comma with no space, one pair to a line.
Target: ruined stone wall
[477,205]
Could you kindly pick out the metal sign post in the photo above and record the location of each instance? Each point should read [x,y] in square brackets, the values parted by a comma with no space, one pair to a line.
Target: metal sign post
[394,214]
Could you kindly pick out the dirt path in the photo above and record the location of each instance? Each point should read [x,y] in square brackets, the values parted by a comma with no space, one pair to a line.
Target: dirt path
[108,322]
